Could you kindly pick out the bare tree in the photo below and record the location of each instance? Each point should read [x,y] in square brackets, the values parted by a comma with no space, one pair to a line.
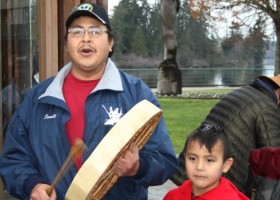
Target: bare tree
[247,12]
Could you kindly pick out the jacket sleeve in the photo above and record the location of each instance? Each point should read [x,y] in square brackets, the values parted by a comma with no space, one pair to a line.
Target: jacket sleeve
[268,127]
[17,162]
[158,160]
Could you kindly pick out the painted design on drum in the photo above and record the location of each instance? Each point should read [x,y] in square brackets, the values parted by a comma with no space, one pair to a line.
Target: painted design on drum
[113,114]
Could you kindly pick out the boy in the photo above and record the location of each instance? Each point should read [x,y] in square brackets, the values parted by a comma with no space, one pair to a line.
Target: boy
[207,157]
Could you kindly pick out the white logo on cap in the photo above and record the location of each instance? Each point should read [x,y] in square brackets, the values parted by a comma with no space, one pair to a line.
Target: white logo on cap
[85,6]
[88,7]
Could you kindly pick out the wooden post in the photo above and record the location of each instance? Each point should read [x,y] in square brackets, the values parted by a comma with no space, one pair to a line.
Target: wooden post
[47,38]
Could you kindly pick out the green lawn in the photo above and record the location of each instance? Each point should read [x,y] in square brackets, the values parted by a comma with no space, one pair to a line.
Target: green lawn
[184,115]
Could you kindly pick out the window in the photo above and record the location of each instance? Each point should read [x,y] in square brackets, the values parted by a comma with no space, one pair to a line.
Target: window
[19,53]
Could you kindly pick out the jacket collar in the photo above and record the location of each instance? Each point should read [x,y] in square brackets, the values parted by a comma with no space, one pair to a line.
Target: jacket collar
[264,85]
[110,80]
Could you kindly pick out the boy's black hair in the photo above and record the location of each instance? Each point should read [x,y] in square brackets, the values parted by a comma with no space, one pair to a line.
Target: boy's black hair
[208,135]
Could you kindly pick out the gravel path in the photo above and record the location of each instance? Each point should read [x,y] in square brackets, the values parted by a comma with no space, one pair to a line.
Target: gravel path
[158,192]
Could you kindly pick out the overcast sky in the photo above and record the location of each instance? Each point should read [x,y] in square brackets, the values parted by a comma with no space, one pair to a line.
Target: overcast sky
[111,5]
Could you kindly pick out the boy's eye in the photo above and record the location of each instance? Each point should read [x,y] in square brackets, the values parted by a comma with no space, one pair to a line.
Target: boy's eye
[210,160]
[191,158]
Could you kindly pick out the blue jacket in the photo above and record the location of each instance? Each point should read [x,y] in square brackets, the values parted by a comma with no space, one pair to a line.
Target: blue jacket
[36,144]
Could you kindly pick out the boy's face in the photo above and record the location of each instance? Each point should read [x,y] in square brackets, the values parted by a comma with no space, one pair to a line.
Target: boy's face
[203,168]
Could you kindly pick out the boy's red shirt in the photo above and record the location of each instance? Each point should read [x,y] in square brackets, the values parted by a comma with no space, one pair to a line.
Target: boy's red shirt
[225,191]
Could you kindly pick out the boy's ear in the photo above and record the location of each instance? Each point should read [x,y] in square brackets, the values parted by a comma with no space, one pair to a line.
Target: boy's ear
[227,165]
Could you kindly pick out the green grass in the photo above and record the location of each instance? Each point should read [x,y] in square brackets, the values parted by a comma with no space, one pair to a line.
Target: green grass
[184,115]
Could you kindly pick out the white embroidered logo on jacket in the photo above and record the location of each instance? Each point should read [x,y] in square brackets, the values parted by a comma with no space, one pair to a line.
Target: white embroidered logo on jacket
[47,116]
[114,115]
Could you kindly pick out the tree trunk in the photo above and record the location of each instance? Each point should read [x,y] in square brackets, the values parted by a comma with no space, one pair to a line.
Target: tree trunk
[277,52]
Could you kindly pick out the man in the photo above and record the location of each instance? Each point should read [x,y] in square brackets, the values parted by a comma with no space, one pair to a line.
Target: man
[250,116]
[75,104]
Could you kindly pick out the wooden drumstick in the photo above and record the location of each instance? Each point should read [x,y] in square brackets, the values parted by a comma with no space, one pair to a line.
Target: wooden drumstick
[76,148]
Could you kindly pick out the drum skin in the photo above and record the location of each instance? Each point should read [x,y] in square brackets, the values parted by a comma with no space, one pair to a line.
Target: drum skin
[96,176]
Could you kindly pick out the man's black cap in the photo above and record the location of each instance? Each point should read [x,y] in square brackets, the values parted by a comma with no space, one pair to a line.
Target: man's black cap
[91,10]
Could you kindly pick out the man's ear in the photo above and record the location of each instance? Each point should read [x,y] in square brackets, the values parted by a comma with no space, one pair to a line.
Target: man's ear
[227,165]
[111,44]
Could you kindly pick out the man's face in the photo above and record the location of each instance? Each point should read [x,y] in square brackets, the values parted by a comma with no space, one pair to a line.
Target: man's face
[88,52]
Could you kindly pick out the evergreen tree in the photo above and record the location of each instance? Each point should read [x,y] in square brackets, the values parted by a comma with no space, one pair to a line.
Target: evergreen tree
[137,29]
[194,45]
[153,32]
[255,44]
[138,43]
[233,47]
[130,23]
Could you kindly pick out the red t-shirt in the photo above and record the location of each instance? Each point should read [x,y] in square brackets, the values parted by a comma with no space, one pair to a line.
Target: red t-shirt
[225,191]
[75,93]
